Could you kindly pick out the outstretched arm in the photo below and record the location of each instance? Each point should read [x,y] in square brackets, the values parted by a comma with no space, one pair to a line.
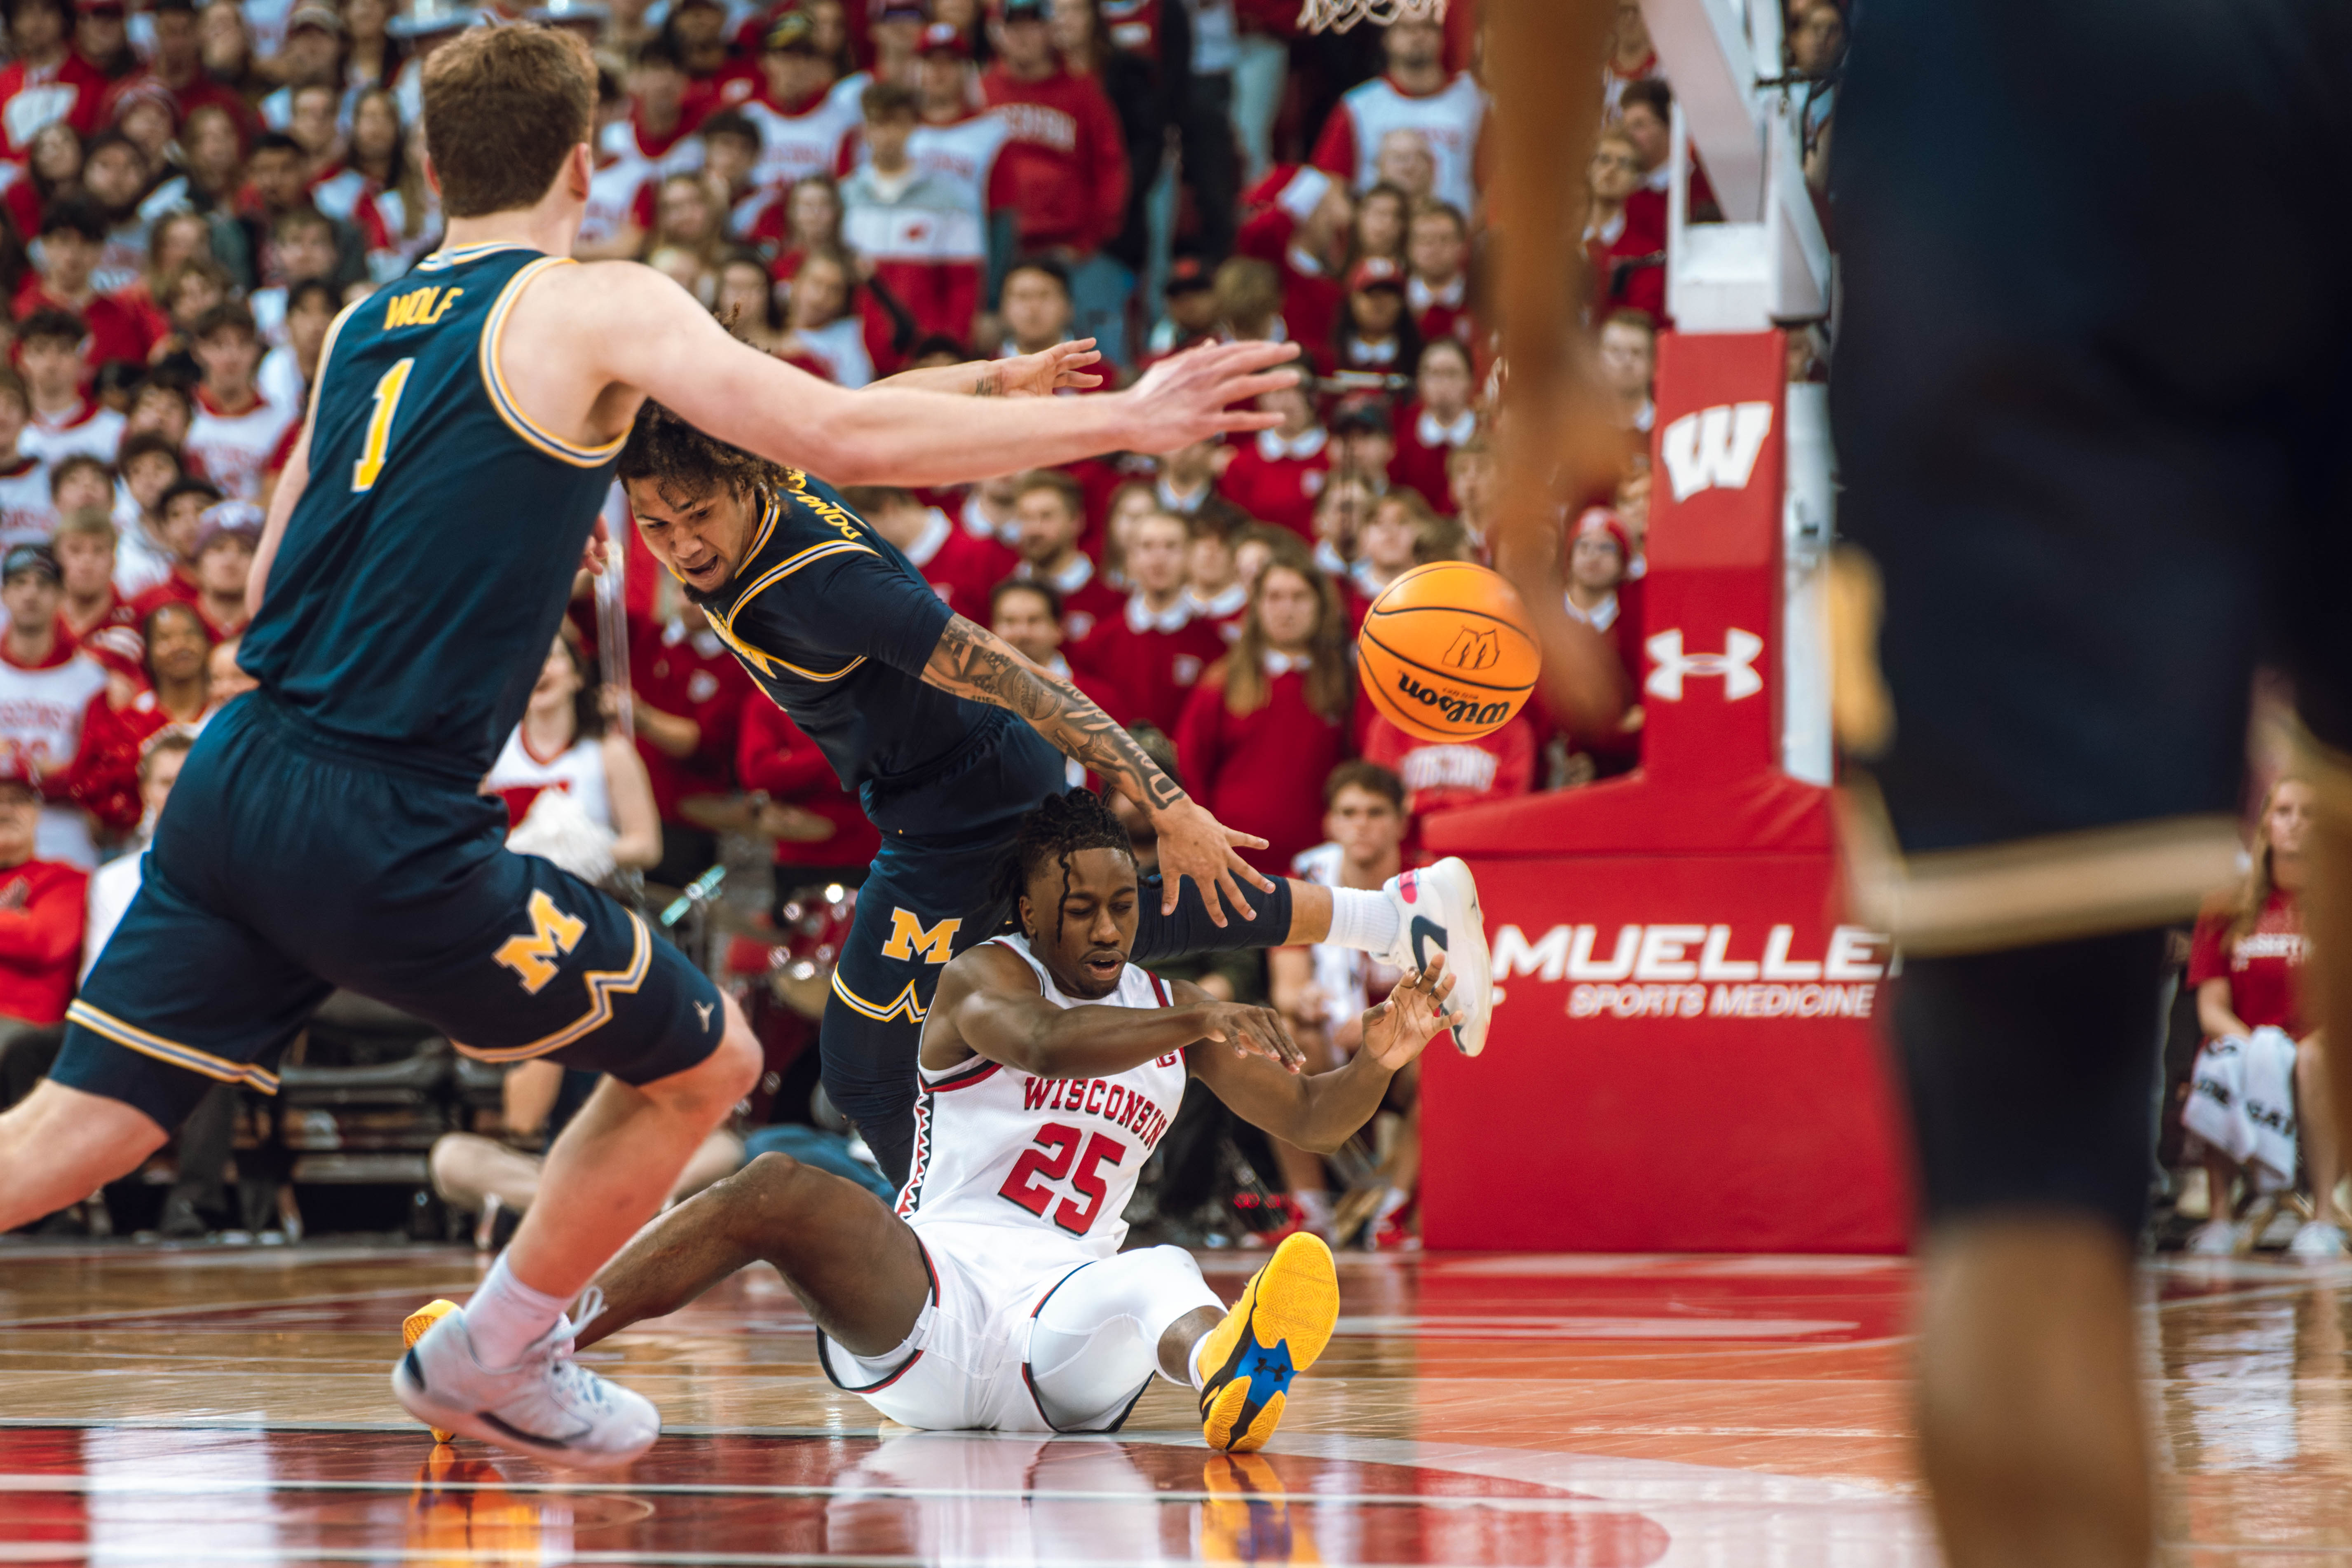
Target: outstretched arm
[672,349]
[975,663]
[1319,1112]
[989,1001]
[1021,375]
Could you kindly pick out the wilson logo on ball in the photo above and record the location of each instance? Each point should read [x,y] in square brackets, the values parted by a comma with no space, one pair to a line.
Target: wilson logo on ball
[1457,710]
[1473,649]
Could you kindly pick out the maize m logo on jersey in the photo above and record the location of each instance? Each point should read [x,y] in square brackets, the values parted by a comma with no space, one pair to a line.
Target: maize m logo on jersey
[1715,448]
[1694,970]
[1457,710]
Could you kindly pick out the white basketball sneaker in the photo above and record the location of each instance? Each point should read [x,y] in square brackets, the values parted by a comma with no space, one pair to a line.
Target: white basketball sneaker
[1437,907]
[546,1406]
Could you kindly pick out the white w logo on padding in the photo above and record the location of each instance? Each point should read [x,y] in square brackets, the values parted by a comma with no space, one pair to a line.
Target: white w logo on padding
[1714,446]
[1735,664]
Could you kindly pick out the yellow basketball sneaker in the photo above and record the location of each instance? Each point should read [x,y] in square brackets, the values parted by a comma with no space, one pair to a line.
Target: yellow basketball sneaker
[412,1328]
[1274,1332]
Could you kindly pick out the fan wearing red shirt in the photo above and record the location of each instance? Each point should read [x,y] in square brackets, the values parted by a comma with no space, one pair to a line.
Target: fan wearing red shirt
[1647,116]
[1438,421]
[1628,259]
[1276,474]
[1444,775]
[1597,553]
[2245,962]
[658,134]
[782,767]
[41,908]
[45,82]
[961,567]
[1437,277]
[1298,223]
[177,67]
[688,708]
[1155,648]
[1272,719]
[73,233]
[1050,510]
[84,544]
[114,735]
[1065,156]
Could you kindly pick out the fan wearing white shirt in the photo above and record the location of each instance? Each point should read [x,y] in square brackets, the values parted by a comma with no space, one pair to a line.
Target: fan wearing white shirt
[563,747]
[114,885]
[287,370]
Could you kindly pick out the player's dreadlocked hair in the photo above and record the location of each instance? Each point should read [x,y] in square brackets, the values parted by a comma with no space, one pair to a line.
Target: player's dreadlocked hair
[684,463]
[1060,827]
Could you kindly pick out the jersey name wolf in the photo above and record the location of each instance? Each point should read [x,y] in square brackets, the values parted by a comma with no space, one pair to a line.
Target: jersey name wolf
[424,571]
[1055,1157]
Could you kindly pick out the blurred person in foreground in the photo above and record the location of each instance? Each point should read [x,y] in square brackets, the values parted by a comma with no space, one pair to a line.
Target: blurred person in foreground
[2059,773]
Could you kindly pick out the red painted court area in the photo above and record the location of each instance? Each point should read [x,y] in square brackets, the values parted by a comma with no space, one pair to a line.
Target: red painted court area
[226,1407]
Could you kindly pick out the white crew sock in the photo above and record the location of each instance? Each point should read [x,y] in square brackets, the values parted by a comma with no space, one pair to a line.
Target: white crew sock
[1392,1200]
[1315,1211]
[507,1316]
[1364,919]
[1192,1362]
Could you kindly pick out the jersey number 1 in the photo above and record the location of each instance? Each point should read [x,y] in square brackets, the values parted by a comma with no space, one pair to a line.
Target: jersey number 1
[379,427]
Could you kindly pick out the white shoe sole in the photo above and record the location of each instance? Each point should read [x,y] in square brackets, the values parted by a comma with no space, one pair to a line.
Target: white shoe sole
[1467,957]
[418,1401]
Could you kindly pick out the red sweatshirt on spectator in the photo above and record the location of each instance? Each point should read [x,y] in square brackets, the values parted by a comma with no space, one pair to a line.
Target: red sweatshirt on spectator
[117,331]
[682,668]
[1276,479]
[1087,602]
[1066,158]
[961,567]
[774,756]
[1156,659]
[1261,772]
[32,96]
[42,906]
[1423,446]
[106,769]
[1442,775]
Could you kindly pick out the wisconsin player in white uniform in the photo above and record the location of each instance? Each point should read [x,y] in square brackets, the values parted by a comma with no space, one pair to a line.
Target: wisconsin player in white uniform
[996,1296]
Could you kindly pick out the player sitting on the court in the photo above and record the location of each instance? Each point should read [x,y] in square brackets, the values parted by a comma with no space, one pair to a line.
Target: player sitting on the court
[997,1297]
[948,735]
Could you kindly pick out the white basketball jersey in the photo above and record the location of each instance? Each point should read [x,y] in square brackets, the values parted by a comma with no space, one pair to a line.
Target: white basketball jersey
[1055,1157]
[520,776]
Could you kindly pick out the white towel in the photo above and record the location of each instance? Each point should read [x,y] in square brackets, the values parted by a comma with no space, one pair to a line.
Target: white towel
[2241,1102]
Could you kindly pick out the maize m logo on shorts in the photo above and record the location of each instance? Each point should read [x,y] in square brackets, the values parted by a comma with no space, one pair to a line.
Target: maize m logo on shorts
[1457,710]
[532,957]
[909,937]
[1715,448]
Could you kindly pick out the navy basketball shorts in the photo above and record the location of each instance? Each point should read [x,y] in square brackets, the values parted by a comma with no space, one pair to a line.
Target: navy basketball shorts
[2096,512]
[923,903]
[287,865]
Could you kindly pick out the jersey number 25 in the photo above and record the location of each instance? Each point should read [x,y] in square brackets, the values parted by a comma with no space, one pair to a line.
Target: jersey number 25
[1049,1160]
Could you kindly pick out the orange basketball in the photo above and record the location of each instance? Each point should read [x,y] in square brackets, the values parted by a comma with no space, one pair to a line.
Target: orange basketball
[1447,652]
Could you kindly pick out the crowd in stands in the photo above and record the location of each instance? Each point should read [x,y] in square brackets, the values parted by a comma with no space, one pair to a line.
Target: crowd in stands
[190,190]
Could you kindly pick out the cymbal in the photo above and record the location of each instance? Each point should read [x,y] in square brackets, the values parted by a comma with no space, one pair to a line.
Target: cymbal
[768,819]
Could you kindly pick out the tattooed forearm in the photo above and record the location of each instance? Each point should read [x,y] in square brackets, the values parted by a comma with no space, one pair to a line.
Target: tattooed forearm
[975,663]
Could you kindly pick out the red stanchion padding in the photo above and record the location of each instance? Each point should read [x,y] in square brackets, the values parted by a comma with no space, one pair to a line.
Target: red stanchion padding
[1686,1056]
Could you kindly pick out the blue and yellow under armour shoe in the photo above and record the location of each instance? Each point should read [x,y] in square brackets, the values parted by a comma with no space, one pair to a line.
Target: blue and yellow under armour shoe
[1274,1332]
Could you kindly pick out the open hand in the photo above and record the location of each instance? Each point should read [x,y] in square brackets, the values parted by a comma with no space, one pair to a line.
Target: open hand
[1196,845]
[1396,1030]
[1190,396]
[1048,371]
[1253,1032]
[599,550]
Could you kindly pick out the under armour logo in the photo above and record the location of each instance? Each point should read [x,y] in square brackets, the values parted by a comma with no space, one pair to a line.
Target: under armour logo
[1714,446]
[702,1011]
[1735,664]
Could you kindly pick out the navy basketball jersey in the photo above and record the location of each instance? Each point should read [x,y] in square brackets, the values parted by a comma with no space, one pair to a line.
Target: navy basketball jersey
[836,627]
[426,565]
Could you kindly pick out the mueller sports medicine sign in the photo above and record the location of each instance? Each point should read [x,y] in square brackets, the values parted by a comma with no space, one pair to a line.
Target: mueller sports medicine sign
[1677,969]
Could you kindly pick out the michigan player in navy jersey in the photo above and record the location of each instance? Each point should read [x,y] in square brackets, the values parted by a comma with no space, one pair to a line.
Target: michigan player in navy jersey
[948,736]
[418,554]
